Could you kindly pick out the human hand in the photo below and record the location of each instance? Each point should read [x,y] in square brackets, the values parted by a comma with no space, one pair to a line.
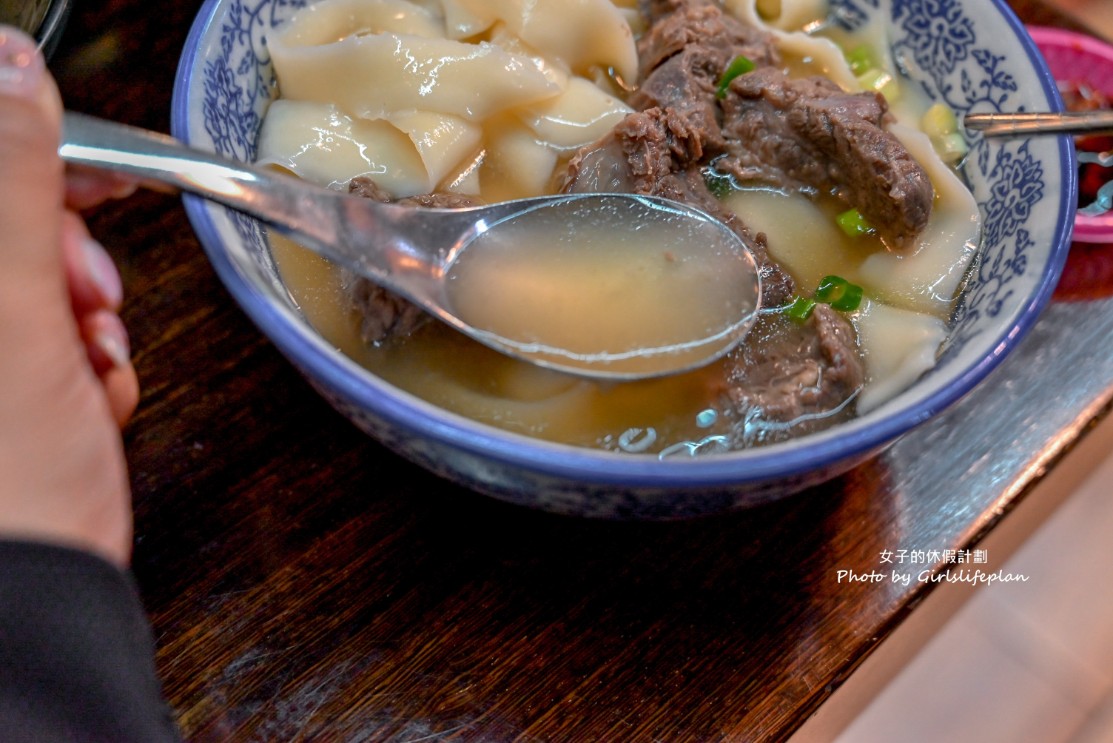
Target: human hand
[66,380]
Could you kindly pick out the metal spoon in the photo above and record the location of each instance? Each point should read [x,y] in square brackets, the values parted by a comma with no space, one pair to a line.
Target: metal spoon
[418,253]
[1023,124]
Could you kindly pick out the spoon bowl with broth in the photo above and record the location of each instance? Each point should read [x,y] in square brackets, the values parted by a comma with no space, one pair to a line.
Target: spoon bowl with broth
[612,286]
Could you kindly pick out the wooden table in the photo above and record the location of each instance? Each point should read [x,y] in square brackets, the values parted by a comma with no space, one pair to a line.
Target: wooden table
[306,584]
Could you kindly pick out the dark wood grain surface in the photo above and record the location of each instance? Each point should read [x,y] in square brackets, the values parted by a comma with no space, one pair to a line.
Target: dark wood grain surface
[306,584]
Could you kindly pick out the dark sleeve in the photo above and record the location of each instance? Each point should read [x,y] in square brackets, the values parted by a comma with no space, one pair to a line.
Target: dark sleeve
[76,651]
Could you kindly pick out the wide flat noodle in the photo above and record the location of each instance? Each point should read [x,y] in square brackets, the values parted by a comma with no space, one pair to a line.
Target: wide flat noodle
[326,22]
[582,114]
[583,34]
[498,111]
[898,346]
[824,57]
[442,141]
[462,22]
[785,15]
[517,163]
[370,74]
[321,144]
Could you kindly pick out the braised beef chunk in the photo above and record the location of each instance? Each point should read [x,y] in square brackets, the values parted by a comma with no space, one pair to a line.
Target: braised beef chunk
[790,379]
[809,134]
[702,30]
[383,314]
[602,167]
[441,200]
[802,135]
[681,58]
[368,189]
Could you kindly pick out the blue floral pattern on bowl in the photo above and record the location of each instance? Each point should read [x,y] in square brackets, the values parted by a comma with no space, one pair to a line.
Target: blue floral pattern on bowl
[937,44]
[973,55]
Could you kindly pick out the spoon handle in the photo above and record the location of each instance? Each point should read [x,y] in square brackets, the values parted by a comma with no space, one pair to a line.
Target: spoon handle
[323,220]
[1020,124]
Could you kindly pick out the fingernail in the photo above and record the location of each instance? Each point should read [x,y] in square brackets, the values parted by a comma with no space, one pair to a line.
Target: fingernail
[103,272]
[21,65]
[112,340]
[124,189]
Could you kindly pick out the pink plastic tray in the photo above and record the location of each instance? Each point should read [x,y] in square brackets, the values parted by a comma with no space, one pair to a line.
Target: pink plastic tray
[1074,57]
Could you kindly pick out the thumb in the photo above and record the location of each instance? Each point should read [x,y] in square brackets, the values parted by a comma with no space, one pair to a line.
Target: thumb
[31,186]
[33,298]
[63,477]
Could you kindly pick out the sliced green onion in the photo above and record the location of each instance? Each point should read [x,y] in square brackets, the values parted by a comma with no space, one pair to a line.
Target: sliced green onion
[854,224]
[800,308]
[860,59]
[834,291]
[830,288]
[951,147]
[941,125]
[939,121]
[740,65]
[849,301]
[839,293]
[881,81]
[719,184]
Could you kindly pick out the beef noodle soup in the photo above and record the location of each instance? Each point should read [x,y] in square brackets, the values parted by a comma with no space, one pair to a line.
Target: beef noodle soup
[803,140]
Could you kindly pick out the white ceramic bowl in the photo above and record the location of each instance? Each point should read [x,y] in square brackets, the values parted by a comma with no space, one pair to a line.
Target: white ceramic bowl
[973,54]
